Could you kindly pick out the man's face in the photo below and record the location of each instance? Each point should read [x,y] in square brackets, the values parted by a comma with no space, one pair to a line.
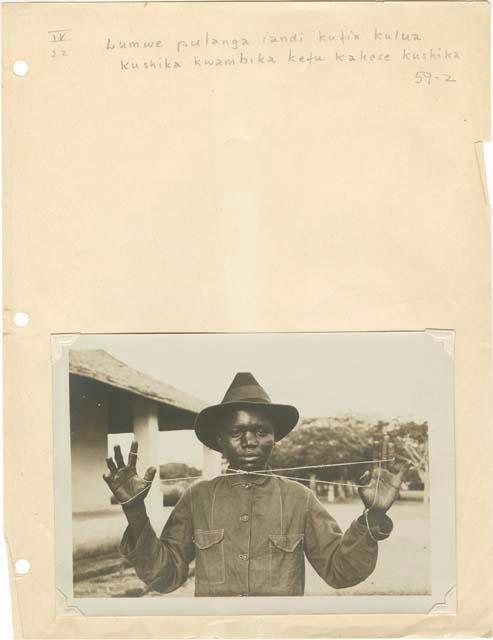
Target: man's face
[247,439]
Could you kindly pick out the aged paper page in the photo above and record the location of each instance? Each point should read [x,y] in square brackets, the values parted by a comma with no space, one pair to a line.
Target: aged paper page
[243,167]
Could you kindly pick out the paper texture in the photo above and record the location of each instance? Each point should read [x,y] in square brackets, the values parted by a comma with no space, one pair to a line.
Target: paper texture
[335,188]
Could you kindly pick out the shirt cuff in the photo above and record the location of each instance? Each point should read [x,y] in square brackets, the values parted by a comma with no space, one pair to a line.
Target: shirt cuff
[130,549]
[379,523]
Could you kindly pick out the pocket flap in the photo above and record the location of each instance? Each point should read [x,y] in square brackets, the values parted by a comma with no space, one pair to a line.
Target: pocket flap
[204,539]
[287,542]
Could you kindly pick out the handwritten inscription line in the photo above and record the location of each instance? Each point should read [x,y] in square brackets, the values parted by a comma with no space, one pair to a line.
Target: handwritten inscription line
[267,38]
[262,59]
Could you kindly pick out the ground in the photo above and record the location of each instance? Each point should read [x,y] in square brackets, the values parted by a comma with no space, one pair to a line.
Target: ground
[403,565]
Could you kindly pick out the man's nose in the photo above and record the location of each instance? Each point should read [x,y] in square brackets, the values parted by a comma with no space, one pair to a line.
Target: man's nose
[249,439]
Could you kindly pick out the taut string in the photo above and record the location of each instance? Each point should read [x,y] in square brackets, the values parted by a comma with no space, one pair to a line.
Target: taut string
[332,464]
[343,484]
[313,466]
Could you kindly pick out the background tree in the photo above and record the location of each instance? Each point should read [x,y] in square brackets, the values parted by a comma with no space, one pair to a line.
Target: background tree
[318,441]
[411,446]
[172,491]
[177,470]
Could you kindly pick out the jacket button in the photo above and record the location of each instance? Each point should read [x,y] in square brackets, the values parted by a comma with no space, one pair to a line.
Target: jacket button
[247,485]
[245,517]
[243,556]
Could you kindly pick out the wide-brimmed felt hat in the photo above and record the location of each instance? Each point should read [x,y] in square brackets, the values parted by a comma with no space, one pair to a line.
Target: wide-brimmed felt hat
[244,393]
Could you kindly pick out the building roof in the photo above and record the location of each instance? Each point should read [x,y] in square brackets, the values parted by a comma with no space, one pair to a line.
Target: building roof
[100,365]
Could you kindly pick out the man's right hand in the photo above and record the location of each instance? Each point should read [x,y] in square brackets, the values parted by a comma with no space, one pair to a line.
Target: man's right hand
[127,487]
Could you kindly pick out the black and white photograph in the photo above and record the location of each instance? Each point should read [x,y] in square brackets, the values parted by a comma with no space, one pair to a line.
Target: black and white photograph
[255,465]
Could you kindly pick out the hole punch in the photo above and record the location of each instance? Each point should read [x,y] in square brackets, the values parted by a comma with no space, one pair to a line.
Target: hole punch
[22,567]
[20,68]
[21,319]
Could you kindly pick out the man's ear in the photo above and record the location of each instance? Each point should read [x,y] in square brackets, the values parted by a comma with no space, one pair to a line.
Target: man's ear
[219,441]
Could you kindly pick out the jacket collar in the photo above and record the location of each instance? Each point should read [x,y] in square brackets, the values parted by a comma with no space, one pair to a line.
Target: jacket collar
[235,478]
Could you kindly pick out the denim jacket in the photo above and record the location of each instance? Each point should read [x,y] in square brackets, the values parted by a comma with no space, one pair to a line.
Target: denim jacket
[249,535]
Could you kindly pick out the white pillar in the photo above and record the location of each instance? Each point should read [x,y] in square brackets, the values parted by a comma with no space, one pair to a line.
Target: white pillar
[313,482]
[211,467]
[146,432]
[89,449]
[330,493]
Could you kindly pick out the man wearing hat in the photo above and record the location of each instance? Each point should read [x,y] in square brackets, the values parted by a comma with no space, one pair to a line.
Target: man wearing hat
[248,529]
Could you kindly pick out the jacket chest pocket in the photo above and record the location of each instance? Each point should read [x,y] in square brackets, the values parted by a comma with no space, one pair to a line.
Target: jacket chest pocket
[209,555]
[287,565]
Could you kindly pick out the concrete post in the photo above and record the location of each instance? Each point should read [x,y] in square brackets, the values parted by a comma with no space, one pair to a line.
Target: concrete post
[89,450]
[313,483]
[211,467]
[146,432]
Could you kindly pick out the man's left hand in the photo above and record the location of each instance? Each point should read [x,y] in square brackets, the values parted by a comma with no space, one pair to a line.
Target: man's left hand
[382,483]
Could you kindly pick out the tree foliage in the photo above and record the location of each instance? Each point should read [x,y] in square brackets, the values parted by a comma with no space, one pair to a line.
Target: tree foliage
[319,441]
[411,445]
[177,470]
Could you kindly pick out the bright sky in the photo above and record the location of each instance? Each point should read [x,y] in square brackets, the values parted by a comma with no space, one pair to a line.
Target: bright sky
[384,374]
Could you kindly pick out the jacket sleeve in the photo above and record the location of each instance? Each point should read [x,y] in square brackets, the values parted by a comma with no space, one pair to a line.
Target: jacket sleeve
[162,563]
[342,559]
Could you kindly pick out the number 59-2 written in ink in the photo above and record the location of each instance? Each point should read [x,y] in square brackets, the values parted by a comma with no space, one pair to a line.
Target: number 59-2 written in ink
[427,77]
